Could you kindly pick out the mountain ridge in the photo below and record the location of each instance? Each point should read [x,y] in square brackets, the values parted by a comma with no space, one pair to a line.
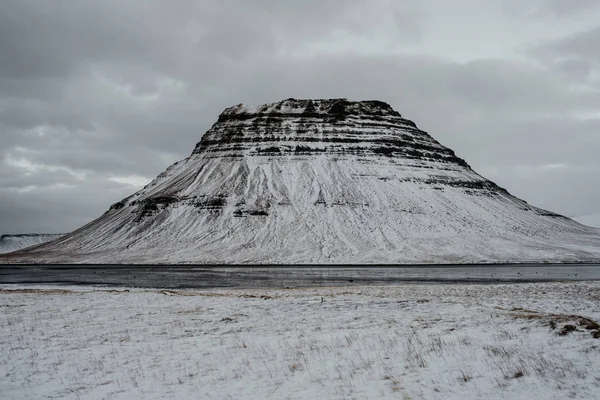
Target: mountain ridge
[14,242]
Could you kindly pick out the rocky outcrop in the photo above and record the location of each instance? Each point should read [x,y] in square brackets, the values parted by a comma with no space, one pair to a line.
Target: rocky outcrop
[321,181]
[314,127]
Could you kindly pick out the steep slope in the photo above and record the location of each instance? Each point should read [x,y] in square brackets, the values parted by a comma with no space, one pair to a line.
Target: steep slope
[321,181]
[9,243]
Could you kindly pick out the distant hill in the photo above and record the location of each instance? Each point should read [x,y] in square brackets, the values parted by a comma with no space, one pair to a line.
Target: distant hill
[589,220]
[10,243]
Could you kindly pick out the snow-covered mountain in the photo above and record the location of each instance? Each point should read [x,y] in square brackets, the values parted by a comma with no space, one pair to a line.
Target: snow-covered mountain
[321,181]
[10,243]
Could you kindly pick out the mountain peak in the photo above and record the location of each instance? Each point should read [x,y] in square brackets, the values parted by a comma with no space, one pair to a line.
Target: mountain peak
[312,107]
[317,126]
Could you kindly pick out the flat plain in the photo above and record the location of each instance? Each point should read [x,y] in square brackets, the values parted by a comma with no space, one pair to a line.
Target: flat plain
[407,341]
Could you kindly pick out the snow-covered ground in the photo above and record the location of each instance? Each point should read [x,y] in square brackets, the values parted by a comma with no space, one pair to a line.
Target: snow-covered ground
[396,342]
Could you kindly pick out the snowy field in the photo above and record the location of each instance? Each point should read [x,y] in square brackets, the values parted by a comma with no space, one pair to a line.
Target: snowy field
[523,341]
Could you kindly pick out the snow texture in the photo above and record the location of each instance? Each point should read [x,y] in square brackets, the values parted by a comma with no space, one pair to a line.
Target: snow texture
[321,182]
[9,243]
[526,341]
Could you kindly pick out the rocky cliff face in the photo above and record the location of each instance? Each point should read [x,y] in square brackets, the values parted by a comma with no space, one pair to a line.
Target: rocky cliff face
[321,181]
[334,127]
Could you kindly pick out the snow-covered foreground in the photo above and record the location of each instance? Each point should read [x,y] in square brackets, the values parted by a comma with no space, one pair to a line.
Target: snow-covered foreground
[406,342]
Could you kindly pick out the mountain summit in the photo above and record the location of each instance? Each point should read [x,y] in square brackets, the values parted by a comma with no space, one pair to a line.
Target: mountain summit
[320,181]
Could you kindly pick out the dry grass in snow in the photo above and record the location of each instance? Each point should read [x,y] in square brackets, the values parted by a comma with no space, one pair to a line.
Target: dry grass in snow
[401,342]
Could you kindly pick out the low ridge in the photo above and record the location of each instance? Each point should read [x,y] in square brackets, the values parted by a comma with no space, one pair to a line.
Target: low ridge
[320,182]
[10,243]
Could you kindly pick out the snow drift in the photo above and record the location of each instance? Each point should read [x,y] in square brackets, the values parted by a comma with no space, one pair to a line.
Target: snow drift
[321,182]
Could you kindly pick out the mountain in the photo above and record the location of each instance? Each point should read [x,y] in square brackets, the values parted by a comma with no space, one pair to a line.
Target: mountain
[321,181]
[9,243]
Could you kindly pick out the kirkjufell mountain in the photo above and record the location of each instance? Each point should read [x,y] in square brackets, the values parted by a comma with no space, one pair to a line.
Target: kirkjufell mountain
[320,182]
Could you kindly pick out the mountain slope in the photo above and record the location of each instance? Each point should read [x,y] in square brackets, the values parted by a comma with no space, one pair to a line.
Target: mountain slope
[9,243]
[321,181]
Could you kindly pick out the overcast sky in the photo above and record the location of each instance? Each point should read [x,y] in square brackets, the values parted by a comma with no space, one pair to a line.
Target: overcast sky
[99,97]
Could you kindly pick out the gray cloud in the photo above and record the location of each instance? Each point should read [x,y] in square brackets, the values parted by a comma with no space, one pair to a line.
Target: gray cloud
[562,7]
[547,8]
[94,91]
[576,57]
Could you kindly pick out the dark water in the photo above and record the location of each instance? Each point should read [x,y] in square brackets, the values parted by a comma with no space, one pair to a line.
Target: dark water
[290,276]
